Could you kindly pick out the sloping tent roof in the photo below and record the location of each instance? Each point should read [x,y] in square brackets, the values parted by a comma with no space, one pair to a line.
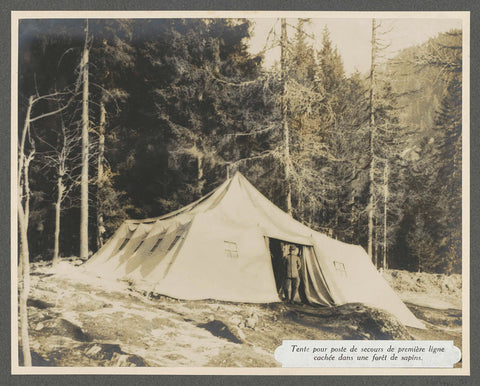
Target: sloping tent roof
[217,248]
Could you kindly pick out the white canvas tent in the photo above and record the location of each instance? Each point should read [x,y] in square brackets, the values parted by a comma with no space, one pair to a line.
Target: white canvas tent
[218,248]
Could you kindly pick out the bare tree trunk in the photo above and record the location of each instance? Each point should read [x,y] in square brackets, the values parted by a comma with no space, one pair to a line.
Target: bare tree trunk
[26,184]
[25,258]
[352,221]
[371,201]
[101,155]
[385,198]
[58,207]
[200,174]
[25,288]
[84,181]
[375,242]
[300,209]
[199,168]
[23,188]
[337,209]
[21,150]
[286,131]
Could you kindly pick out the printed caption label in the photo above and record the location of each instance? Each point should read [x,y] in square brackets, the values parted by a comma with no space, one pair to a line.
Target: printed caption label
[364,353]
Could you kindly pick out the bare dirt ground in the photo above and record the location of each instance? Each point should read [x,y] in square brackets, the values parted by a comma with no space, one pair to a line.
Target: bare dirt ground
[79,320]
[433,298]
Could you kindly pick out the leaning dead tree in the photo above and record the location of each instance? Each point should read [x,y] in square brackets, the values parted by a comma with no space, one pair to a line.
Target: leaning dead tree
[23,205]
[26,153]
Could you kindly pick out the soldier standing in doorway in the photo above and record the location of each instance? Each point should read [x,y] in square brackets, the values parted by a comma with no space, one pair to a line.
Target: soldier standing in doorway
[292,278]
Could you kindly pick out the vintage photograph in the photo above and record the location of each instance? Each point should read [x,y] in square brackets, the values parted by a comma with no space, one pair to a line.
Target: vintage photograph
[192,190]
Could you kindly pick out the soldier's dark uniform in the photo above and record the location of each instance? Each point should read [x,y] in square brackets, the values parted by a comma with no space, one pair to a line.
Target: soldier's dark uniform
[292,279]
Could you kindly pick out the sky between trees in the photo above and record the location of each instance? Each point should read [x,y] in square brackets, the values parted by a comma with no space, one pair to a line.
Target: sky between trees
[352,36]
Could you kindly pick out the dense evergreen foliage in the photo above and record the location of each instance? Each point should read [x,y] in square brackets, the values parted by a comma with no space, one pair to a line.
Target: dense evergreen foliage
[184,103]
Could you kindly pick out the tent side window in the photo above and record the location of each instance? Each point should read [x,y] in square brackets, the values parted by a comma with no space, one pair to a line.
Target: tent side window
[231,249]
[125,242]
[173,242]
[157,243]
[340,267]
[138,246]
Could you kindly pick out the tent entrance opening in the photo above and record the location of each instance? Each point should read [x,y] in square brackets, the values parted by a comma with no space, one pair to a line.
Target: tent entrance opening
[287,263]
